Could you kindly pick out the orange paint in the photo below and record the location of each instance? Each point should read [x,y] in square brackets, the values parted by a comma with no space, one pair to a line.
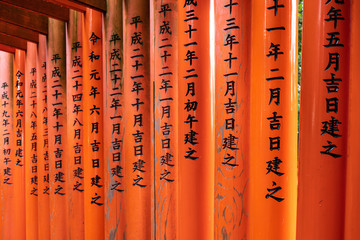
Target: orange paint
[43,144]
[75,146]
[232,90]
[166,118]
[113,117]
[352,210]
[93,125]
[273,121]
[57,129]
[31,157]
[137,139]
[322,151]
[18,231]
[196,129]
[6,130]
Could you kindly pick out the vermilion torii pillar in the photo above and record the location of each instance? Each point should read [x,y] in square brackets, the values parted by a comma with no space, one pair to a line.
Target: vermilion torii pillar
[166,118]
[114,117]
[75,145]
[323,119]
[196,131]
[137,142]
[31,142]
[43,143]
[232,108]
[352,207]
[8,207]
[18,230]
[57,128]
[273,121]
[93,79]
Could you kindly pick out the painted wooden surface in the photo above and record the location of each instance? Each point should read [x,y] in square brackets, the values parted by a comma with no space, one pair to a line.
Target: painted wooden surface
[323,120]
[273,121]
[232,107]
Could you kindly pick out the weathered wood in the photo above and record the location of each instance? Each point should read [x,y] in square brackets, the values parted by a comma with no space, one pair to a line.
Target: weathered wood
[23,18]
[20,32]
[81,5]
[69,4]
[13,41]
[42,7]
[95,4]
[6,48]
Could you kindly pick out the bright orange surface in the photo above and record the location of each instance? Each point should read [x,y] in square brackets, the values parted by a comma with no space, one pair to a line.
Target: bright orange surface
[137,139]
[352,209]
[273,192]
[18,230]
[57,129]
[31,155]
[43,144]
[196,157]
[232,109]
[322,176]
[75,108]
[166,114]
[93,125]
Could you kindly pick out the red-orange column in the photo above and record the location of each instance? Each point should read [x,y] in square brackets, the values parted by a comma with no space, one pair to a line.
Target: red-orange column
[31,157]
[43,143]
[93,125]
[113,123]
[352,207]
[323,119]
[273,120]
[7,136]
[138,160]
[166,118]
[57,129]
[18,231]
[232,91]
[74,144]
[196,128]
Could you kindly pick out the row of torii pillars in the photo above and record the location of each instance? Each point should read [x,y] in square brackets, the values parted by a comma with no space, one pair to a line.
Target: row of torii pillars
[178,120]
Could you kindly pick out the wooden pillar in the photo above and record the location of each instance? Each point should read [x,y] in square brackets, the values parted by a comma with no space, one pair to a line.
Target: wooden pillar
[74,143]
[57,128]
[19,231]
[31,157]
[352,207]
[273,120]
[137,144]
[166,118]
[232,91]
[323,119]
[93,125]
[7,203]
[43,143]
[113,119]
[196,129]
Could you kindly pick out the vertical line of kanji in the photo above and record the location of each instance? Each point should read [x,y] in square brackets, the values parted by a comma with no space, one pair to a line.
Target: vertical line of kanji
[93,125]
[273,120]
[6,153]
[31,167]
[232,107]
[323,119]
[74,143]
[165,68]
[18,231]
[137,139]
[113,118]
[196,128]
[43,143]
[57,129]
